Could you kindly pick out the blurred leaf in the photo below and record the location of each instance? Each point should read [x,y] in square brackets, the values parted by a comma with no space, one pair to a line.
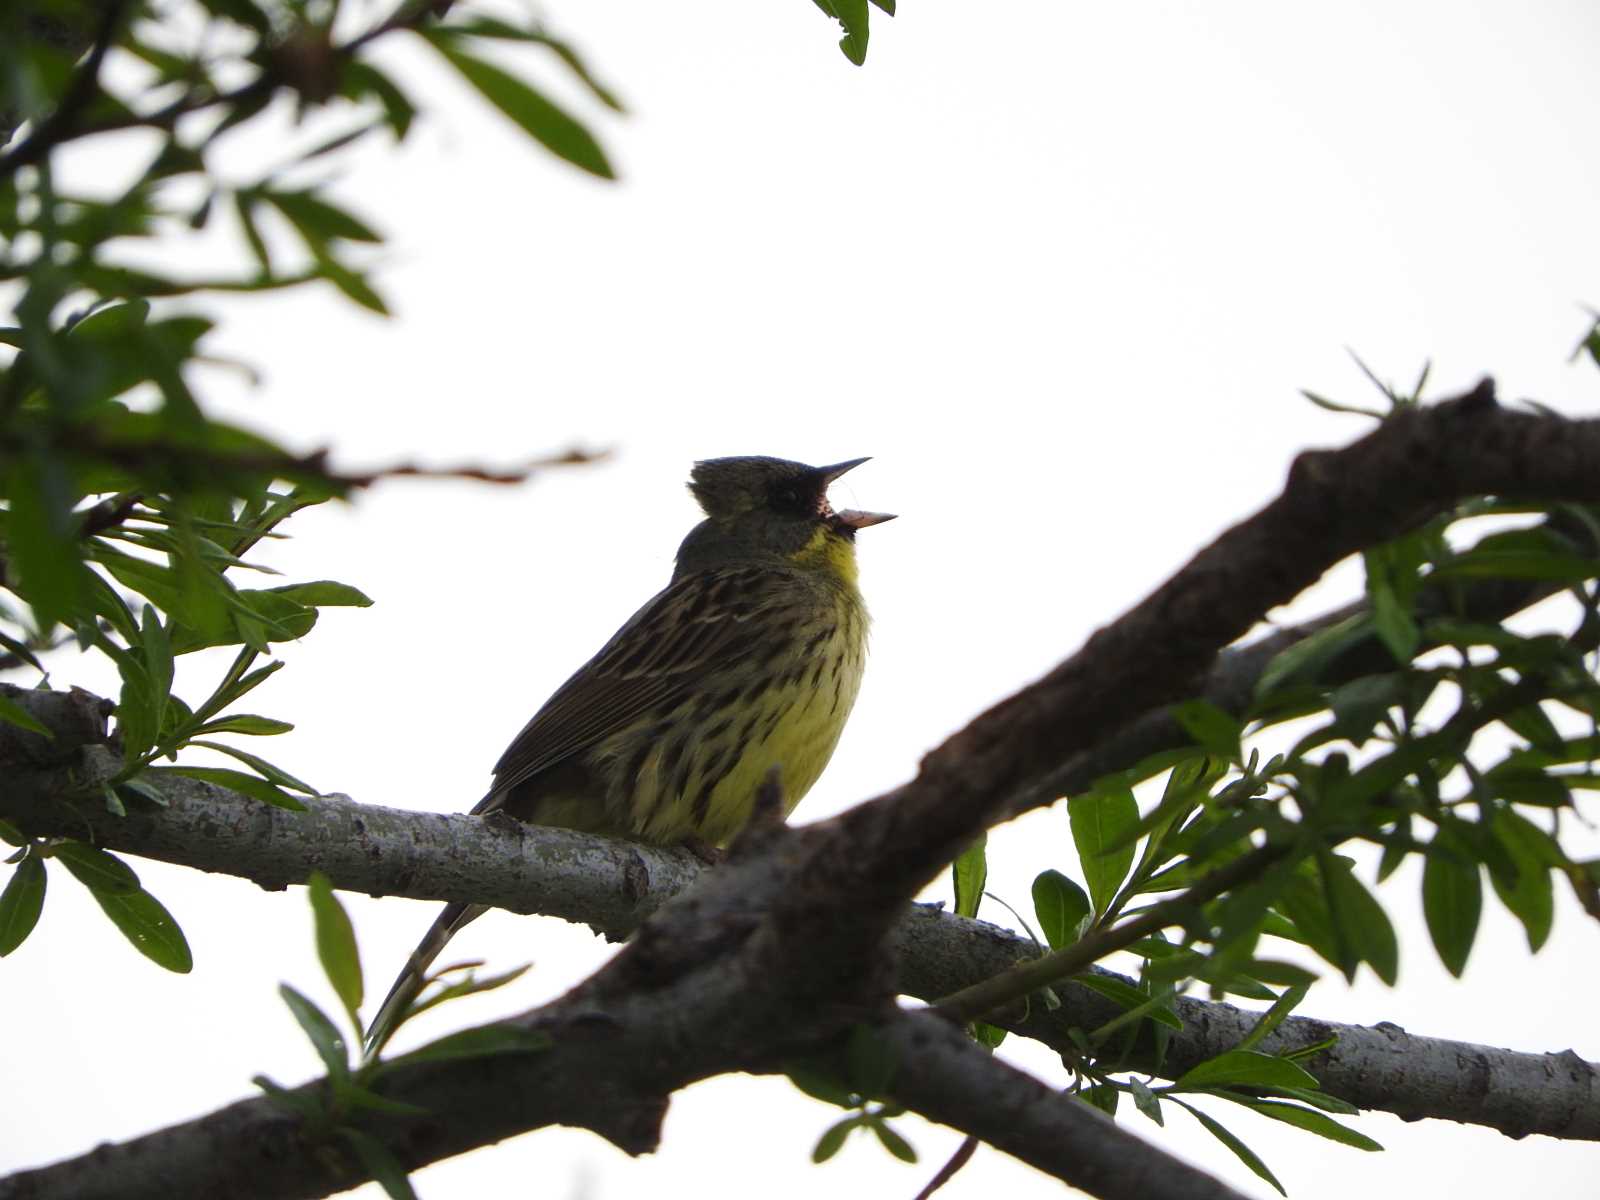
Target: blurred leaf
[1146,1101]
[21,903]
[1061,906]
[1360,920]
[14,714]
[1129,997]
[1452,899]
[987,1035]
[893,1142]
[324,1034]
[149,926]
[318,219]
[336,946]
[969,874]
[379,1162]
[832,1139]
[1308,659]
[1531,898]
[1101,820]
[537,116]
[1212,729]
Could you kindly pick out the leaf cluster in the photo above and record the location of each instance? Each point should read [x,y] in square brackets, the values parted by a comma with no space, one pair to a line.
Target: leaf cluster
[1467,745]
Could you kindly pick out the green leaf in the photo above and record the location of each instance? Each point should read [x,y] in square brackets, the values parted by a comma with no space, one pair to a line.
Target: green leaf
[546,123]
[1531,898]
[1103,1096]
[1273,1017]
[1312,1121]
[852,14]
[95,869]
[1146,1101]
[1245,1155]
[1360,919]
[21,903]
[1212,729]
[324,593]
[336,946]
[1129,997]
[1308,659]
[969,874]
[1101,820]
[893,1142]
[296,1102]
[1061,906]
[44,559]
[832,1138]
[324,1034]
[1388,591]
[986,1035]
[378,1162]
[246,723]
[14,714]
[157,653]
[249,785]
[484,1041]
[1247,1068]
[149,926]
[319,220]
[1452,899]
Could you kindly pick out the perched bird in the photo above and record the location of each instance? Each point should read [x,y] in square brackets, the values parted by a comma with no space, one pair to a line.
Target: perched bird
[749,659]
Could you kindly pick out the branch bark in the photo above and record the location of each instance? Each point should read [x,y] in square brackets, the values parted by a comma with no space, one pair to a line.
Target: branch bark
[612,886]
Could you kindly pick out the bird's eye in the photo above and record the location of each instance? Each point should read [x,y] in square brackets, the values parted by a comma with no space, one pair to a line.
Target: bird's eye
[788,500]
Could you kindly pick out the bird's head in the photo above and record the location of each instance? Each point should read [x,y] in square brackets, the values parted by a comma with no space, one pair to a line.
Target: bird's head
[756,507]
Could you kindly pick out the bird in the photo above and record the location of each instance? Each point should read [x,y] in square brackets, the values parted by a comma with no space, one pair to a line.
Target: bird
[748,661]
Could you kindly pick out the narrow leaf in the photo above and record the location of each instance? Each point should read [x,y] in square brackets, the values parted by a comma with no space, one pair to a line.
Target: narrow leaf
[969,875]
[21,903]
[1245,1155]
[1249,1068]
[546,123]
[146,923]
[336,946]
[95,869]
[1452,900]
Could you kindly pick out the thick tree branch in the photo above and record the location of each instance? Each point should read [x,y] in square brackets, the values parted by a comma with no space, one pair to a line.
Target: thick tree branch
[613,885]
[943,1074]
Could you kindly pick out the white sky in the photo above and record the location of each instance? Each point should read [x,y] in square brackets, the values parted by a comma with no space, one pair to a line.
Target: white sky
[1061,269]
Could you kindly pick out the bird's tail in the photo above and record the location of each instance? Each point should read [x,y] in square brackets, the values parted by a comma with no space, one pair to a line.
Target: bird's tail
[414,975]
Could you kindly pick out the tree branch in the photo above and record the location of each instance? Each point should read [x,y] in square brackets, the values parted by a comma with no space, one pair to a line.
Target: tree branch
[943,1074]
[612,885]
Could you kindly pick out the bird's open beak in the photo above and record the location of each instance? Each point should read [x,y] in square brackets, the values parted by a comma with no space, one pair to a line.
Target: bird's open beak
[828,474]
[854,518]
[851,518]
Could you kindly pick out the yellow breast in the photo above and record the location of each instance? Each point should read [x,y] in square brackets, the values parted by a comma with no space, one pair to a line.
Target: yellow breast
[702,774]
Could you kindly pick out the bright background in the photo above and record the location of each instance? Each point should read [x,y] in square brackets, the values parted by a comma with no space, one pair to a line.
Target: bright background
[1062,269]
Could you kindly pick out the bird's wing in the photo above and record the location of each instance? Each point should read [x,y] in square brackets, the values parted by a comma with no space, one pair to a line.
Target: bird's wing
[664,651]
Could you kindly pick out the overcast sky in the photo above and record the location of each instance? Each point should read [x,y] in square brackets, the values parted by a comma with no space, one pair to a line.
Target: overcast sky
[1062,270]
